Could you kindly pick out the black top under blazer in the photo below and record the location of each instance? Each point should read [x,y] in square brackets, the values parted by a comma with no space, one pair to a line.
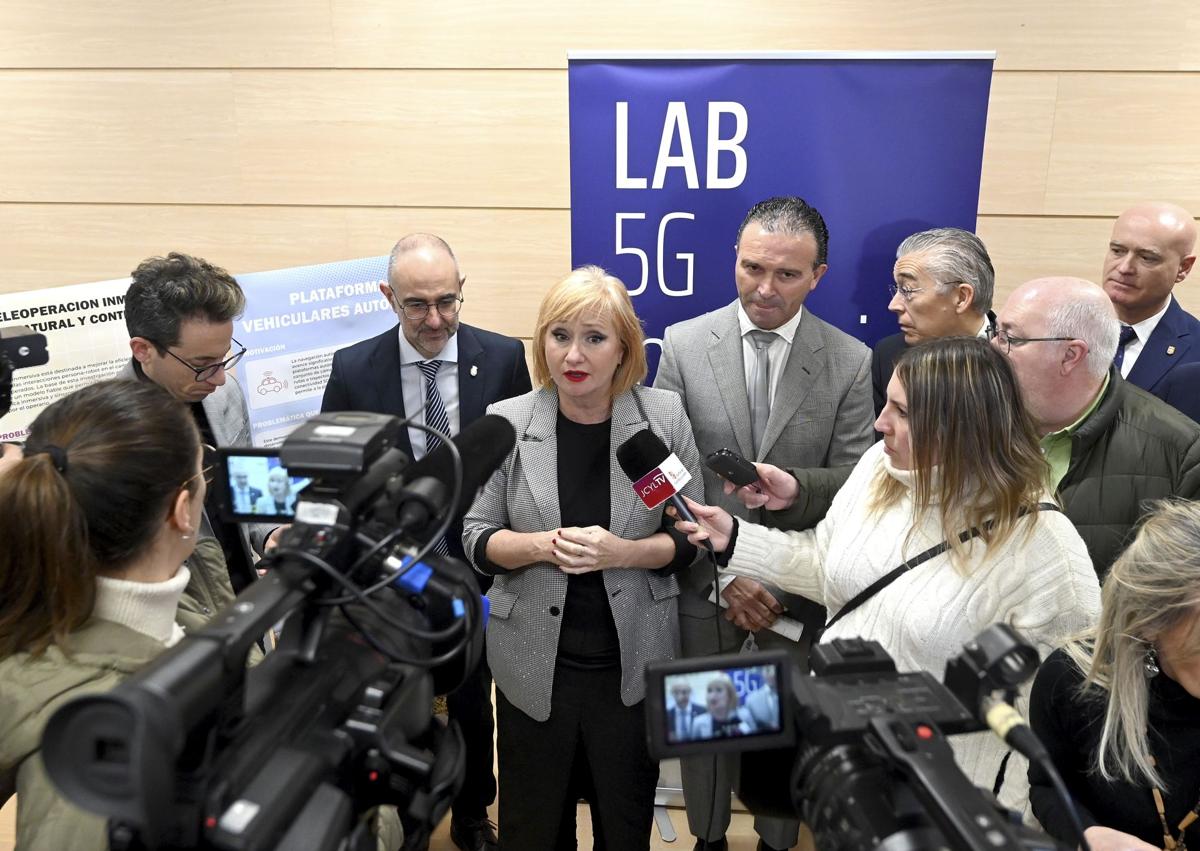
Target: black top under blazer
[527,603]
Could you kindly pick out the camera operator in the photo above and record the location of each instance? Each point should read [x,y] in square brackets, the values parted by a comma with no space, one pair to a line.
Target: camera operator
[944,527]
[98,518]
[1119,707]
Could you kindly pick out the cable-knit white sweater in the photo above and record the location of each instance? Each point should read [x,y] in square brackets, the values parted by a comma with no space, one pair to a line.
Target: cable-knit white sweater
[1041,584]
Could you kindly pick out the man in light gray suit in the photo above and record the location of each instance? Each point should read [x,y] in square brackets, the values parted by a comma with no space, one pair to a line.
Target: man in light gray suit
[774,383]
[763,702]
[179,312]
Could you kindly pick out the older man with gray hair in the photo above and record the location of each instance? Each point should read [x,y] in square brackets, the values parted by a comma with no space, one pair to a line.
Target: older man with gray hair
[943,288]
[1110,446]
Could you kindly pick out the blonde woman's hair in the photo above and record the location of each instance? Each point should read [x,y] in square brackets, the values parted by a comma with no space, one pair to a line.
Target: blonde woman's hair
[590,291]
[731,695]
[1151,589]
[966,420]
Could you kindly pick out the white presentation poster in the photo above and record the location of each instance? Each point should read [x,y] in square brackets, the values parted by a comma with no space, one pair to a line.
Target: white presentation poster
[85,334]
[295,320]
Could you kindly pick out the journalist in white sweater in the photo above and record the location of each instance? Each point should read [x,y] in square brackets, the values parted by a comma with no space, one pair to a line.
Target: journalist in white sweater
[958,453]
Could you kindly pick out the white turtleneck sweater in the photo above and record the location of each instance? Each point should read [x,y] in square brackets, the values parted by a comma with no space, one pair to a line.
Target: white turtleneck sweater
[1043,585]
[146,607]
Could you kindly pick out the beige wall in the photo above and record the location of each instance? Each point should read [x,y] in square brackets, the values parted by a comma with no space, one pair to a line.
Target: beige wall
[272,133]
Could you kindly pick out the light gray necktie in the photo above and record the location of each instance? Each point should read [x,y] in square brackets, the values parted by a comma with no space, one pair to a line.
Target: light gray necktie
[760,385]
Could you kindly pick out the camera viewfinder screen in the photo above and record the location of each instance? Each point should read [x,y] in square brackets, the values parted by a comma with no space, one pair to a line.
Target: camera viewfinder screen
[703,706]
[260,487]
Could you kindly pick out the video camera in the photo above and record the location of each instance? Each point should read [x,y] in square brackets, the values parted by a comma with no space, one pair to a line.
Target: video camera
[198,751]
[857,751]
[20,348]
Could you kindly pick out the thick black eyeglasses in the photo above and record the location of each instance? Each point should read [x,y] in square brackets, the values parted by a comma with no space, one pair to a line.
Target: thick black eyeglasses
[204,373]
[1007,340]
[447,307]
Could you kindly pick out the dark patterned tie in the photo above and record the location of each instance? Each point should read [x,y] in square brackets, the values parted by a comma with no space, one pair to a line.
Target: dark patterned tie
[435,417]
[1128,335]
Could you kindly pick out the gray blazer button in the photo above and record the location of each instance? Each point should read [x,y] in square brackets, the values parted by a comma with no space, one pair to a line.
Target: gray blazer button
[554,610]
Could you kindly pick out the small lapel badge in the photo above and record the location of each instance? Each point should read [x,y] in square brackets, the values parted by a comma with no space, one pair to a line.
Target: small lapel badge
[475,369]
[1170,350]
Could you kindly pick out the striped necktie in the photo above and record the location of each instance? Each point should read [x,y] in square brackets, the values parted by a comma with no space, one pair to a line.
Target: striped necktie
[435,418]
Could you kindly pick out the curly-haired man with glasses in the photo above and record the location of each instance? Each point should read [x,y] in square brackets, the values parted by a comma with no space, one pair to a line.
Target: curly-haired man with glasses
[179,312]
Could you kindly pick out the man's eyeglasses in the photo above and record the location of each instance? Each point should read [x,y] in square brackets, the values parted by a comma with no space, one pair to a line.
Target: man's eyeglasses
[1009,341]
[907,293]
[204,373]
[447,307]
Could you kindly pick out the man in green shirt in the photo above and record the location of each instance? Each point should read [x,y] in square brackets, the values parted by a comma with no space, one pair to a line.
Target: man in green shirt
[1110,446]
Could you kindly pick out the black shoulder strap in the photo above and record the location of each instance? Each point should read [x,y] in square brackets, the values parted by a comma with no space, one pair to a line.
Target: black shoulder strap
[890,577]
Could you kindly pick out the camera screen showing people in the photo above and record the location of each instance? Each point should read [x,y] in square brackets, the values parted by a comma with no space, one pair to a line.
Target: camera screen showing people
[257,486]
[722,702]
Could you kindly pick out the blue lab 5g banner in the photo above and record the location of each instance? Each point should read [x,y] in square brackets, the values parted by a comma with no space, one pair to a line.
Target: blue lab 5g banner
[668,154]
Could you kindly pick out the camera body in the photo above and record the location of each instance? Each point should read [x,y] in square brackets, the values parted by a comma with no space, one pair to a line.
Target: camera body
[859,752]
[20,348]
[197,751]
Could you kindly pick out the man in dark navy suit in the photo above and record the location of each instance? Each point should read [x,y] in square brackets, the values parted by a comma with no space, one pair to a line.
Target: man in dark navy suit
[944,284]
[682,713]
[1151,250]
[443,374]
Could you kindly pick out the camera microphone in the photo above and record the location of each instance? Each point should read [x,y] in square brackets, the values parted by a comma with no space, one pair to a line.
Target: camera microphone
[483,445]
[1008,724]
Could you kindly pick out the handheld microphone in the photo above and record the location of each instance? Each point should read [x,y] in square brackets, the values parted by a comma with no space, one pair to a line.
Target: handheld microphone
[657,474]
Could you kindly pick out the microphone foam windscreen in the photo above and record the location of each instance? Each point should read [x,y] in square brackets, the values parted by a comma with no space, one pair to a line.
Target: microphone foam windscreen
[641,453]
[483,445]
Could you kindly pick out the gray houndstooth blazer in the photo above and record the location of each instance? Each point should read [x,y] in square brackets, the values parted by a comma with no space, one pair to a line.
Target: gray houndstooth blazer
[523,496]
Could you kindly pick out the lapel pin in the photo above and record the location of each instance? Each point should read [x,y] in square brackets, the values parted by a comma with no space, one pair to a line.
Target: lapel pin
[474,370]
[1170,350]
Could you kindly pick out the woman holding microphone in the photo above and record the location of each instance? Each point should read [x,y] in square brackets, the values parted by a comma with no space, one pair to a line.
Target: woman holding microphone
[584,594]
[952,508]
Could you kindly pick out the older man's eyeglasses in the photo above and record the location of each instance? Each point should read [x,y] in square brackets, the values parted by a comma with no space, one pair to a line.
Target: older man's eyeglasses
[1008,342]
[204,373]
[447,307]
[907,293]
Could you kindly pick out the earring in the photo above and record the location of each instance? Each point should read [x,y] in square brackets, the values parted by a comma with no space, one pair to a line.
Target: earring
[1151,663]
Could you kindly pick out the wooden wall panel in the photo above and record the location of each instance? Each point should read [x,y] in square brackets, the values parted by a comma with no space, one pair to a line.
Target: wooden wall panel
[404,138]
[1119,138]
[165,136]
[1016,149]
[1070,144]
[1028,34]
[510,257]
[166,33]
[1023,248]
